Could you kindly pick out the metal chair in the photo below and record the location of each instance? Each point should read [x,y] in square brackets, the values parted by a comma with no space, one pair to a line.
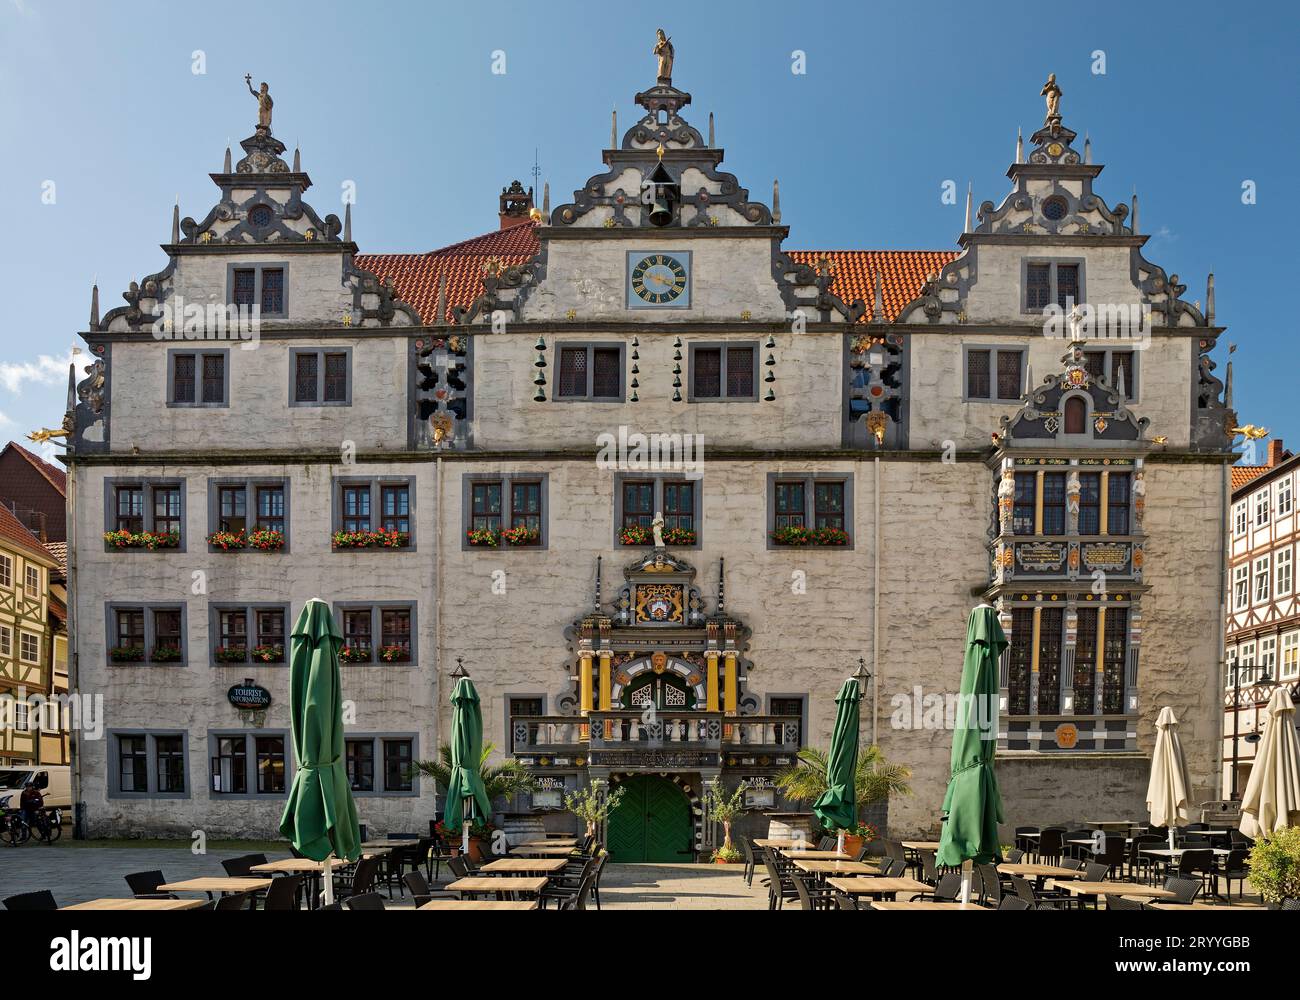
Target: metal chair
[845,901]
[779,887]
[946,890]
[748,849]
[1013,903]
[1233,869]
[990,885]
[1184,889]
[1095,871]
[285,893]
[42,899]
[1015,856]
[1050,842]
[1114,902]
[235,901]
[144,885]
[810,896]
[365,901]
[1025,844]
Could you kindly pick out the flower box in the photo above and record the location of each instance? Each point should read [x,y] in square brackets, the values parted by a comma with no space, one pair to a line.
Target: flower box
[126,654]
[678,536]
[227,541]
[521,536]
[354,654]
[268,654]
[371,539]
[165,654]
[798,536]
[635,535]
[482,537]
[266,540]
[230,654]
[394,654]
[142,540]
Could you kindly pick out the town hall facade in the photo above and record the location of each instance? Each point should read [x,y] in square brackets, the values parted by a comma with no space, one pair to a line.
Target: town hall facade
[853,448]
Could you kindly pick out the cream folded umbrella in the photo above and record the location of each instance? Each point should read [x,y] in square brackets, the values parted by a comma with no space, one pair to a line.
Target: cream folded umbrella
[1271,801]
[1168,788]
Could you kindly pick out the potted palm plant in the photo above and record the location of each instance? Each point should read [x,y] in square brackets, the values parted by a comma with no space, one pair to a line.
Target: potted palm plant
[874,781]
[593,804]
[502,780]
[724,809]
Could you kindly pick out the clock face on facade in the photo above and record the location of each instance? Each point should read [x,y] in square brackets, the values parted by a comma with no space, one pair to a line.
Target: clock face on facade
[658,280]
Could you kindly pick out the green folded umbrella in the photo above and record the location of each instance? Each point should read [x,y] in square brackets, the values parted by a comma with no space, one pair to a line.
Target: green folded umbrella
[466,783]
[973,805]
[837,807]
[320,817]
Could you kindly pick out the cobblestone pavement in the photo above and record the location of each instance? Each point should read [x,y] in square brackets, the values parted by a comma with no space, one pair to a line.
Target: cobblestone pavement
[75,874]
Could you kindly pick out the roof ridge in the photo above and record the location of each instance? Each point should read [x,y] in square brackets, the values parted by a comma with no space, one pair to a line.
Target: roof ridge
[12,529]
[55,476]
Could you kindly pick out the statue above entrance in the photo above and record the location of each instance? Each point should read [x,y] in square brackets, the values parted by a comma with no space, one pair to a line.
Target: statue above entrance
[663,50]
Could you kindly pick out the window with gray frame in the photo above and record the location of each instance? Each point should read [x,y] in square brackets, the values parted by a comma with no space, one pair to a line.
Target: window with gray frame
[376,504]
[723,371]
[136,506]
[509,510]
[798,502]
[148,764]
[320,376]
[1111,364]
[252,763]
[995,374]
[248,633]
[1048,282]
[383,633]
[248,505]
[381,763]
[146,633]
[590,372]
[638,497]
[198,378]
[263,285]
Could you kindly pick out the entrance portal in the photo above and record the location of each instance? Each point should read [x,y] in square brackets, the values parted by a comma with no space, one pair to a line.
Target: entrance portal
[651,823]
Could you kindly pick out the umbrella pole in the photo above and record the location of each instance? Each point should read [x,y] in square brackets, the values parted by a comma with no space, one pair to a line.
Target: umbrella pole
[328,876]
[465,810]
[965,882]
[1171,836]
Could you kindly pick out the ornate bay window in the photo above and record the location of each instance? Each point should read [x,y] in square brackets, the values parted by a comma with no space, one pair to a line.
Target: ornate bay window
[1067,552]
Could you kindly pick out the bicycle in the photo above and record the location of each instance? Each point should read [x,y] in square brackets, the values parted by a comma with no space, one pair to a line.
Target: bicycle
[14,830]
[49,824]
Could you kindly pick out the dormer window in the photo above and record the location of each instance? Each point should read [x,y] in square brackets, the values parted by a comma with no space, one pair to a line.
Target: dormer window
[260,216]
[1049,281]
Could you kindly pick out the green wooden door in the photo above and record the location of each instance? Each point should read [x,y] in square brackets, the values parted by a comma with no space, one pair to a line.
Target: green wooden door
[651,823]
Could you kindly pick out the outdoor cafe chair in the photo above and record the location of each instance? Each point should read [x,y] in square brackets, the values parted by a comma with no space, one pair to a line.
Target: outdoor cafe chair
[748,850]
[595,885]
[242,866]
[1024,889]
[436,858]
[365,901]
[235,901]
[845,902]
[144,885]
[1077,850]
[42,899]
[1291,904]
[285,893]
[1023,842]
[1114,902]
[1198,864]
[1014,903]
[1184,889]
[1112,851]
[1095,871]
[420,891]
[1142,866]
[1072,864]
[362,880]
[811,897]
[1050,842]
[779,887]
[1015,856]
[332,906]
[1233,869]
[929,873]
[990,884]
[946,890]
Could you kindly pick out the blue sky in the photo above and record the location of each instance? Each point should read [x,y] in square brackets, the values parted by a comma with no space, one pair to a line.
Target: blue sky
[101,99]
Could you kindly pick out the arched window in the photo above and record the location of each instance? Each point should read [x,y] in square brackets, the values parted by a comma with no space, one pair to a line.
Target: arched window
[1076,415]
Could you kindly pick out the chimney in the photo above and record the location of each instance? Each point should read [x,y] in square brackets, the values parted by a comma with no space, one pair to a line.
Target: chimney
[1276,454]
[516,205]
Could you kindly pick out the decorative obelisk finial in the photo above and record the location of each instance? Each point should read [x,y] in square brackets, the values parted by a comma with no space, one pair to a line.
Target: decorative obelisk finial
[1209,299]
[225,166]
[546,202]
[1020,147]
[969,196]
[663,50]
[347,223]
[613,129]
[1087,148]
[264,104]
[176,220]
[1134,224]
[94,306]
[297,160]
[878,300]
[442,298]
[713,142]
[776,201]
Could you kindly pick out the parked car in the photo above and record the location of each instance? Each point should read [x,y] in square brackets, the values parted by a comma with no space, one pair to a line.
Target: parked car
[57,785]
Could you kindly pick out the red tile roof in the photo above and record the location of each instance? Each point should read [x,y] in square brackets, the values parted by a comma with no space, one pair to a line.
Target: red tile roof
[55,476]
[460,267]
[1242,474]
[14,532]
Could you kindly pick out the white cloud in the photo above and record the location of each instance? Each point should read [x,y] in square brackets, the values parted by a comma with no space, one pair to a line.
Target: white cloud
[4,420]
[45,370]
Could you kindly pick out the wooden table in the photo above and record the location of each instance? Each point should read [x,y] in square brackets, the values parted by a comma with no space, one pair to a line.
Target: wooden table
[795,854]
[1204,906]
[384,847]
[1027,869]
[878,886]
[921,845]
[783,844]
[541,852]
[497,884]
[1164,852]
[922,904]
[515,866]
[480,904]
[1082,888]
[136,904]
[211,885]
[549,842]
[1102,824]
[833,867]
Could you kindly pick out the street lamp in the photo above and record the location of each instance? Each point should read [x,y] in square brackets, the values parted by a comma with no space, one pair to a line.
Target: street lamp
[460,670]
[863,676]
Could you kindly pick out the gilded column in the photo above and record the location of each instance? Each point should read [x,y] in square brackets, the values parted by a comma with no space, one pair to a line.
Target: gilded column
[585,691]
[711,680]
[606,702]
[1033,663]
[730,685]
